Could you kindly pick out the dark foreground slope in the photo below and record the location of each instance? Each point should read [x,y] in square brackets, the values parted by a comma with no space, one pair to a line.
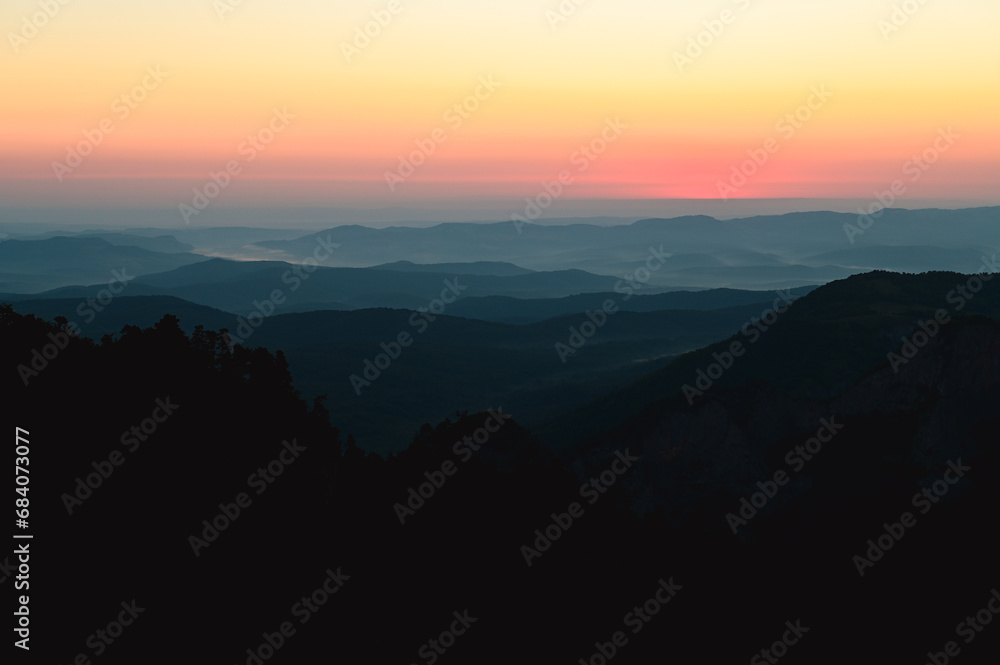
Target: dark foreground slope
[654,517]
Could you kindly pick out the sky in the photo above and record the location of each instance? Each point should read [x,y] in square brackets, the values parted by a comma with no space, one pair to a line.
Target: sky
[382,104]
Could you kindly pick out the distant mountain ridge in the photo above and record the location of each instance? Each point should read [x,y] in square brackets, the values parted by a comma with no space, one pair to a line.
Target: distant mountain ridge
[518,310]
[235,285]
[39,265]
[777,251]
[494,268]
[701,252]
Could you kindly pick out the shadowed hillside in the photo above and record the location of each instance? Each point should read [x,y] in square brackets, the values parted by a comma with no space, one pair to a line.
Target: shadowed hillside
[176,448]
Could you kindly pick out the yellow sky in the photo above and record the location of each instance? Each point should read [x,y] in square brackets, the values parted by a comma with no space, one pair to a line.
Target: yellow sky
[698,84]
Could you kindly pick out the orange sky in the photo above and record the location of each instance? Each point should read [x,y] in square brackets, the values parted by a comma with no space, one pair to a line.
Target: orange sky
[494,98]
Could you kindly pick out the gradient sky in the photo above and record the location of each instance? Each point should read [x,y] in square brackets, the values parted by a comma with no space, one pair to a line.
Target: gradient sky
[892,92]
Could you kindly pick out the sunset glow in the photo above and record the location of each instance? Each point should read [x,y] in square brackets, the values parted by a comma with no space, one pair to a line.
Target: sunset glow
[512,90]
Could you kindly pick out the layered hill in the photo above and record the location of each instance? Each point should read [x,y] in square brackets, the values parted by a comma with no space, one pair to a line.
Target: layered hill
[33,266]
[450,363]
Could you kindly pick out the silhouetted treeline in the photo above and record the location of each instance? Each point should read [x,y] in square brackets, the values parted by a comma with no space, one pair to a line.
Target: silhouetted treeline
[334,508]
